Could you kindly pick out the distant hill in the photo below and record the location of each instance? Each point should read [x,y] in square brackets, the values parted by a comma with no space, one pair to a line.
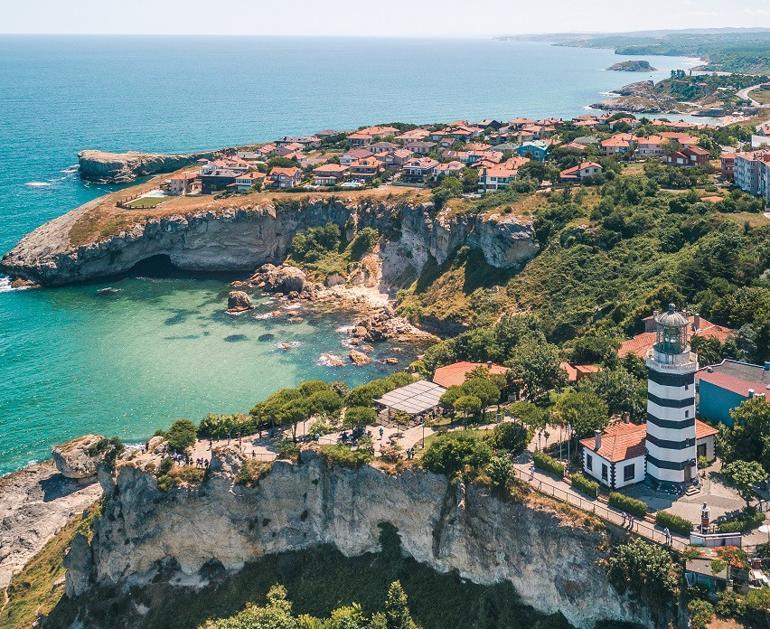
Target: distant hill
[744,50]
[632,66]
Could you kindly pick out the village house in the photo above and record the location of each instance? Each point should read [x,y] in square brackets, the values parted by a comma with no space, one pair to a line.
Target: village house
[723,387]
[581,171]
[419,147]
[307,142]
[398,157]
[575,373]
[727,165]
[413,134]
[354,155]
[618,144]
[218,175]
[447,169]
[266,150]
[456,374]
[651,146]
[685,140]
[496,177]
[367,168]
[329,174]
[182,184]
[534,150]
[359,139]
[246,182]
[418,169]
[689,156]
[284,177]
[284,150]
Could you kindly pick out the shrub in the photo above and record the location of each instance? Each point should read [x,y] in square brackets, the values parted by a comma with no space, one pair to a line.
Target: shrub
[252,471]
[729,605]
[345,456]
[701,612]
[585,484]
[363,243]
[359,416]
[450,452]
[676,524]
[749,520]
[187,473]
[110,449]
[500,470]
[757,605]
[627,504]
[547,463]
[511,437]
[645,569]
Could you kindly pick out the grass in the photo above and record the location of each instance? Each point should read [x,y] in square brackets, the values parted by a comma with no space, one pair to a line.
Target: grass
[38,588]
[754,219]
[321,579]
[760,95]
[143,203]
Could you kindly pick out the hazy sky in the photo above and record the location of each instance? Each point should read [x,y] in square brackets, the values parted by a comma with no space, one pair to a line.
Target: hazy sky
[389,18]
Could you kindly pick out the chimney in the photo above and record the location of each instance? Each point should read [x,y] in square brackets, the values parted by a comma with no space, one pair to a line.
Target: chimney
[767,365]
[597,440]
[751,393]
[696,321]
[489,364]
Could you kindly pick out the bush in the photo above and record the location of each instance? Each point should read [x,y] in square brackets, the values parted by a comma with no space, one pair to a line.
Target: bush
[749,520]
[701,612]
[729,605]
[252,471]
[511,437]
[359,416]
[674,523]
[450,452]
[627,504]
[345,456]
[645,569]
[547,463]
[110,449]
[757,605]
[585,484]
[500,470]
[363,243]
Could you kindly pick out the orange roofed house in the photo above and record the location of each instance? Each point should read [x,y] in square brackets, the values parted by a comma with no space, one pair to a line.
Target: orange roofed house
[456,373]
[617,457]
[280,177]
[581,171]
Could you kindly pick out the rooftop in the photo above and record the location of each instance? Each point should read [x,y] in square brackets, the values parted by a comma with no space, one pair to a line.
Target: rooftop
[737,376]
[415,398]
[456,373]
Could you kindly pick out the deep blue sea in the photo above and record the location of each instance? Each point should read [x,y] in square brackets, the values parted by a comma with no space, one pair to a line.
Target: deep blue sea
[72,362]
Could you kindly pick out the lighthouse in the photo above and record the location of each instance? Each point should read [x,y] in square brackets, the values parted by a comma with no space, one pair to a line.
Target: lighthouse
[671,367]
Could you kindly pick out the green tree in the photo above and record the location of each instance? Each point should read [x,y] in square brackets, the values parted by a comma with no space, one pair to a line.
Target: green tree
[744,475]
[646,570]
[450,452]
[757,605]
[623,392]
[397,608]
[484,389]
[181,435]
[701,613]
[749,437]
[359,416]
[537,366]
[276,614]
[582,411]
[350,617]
[511,437]
[500,470]
[468,406]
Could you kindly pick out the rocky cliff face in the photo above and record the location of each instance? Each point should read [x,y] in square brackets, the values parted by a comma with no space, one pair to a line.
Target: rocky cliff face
[104,167]
[553,565]
[242,237]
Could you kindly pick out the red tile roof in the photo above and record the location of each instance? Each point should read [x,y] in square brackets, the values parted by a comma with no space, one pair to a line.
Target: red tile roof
[455,374]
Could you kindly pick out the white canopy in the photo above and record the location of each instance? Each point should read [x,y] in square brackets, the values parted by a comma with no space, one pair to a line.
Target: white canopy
[415,398]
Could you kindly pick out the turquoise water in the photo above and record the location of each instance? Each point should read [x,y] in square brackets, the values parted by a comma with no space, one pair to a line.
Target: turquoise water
[72,361]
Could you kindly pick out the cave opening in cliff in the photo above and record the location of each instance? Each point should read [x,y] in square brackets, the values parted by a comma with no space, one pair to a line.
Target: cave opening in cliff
[161,266]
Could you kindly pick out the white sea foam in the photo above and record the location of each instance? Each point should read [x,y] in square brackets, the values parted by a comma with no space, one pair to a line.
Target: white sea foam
[330,360]
[70,169]
[287,345]
[37,184]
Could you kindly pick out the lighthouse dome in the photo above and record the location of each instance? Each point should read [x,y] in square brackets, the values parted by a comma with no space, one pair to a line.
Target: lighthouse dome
[671,318]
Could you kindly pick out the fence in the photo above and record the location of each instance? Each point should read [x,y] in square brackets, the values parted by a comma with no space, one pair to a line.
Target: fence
[633,525]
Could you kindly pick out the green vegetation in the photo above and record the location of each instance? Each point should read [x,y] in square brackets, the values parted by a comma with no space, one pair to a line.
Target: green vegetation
[626,503]
[645,570]
[587,486]
[365,394]
[346,456]
[109,448]
[451,452]
[749,520]
[39,586]
[701,613]
[749,437]
[547,463]
[744,476]
[674,523]
[511,437]
[181,435]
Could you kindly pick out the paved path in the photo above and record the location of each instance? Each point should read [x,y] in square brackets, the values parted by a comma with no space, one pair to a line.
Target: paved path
[744,94]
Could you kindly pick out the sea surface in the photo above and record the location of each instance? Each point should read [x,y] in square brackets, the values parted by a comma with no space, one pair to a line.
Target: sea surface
[126,364]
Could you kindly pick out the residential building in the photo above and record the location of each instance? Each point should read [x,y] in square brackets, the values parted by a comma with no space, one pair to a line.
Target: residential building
[618,144]
[689,156]
[651,146]
[367,168]
[329,174]
[496,177]
[418,169]
[284,150]
[454,375]
[723,387]
[581,171]
[420,147]
[354,155]
[685,140]
[182,183]
[450,168]
[284,177]
[399,157]
[751,172]
[727,165]
[534,150]
[575,373]
[413,134]
[248,181]
[217,179]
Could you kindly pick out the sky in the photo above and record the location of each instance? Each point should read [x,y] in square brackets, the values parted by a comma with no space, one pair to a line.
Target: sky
[389,18]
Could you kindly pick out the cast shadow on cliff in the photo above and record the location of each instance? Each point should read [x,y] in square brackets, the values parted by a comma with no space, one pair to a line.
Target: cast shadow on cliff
[57,486]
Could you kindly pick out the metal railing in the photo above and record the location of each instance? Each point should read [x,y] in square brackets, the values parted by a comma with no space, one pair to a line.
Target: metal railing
[607,513]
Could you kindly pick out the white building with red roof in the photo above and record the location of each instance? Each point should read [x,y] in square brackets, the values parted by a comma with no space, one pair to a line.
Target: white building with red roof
[581,171]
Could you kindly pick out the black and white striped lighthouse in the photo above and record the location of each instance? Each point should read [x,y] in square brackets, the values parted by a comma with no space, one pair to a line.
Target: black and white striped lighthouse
[670,441]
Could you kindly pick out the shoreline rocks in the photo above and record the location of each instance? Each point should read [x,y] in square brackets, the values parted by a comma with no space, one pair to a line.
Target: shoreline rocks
[73,458]
[238,302]
[632,65]
[107,167]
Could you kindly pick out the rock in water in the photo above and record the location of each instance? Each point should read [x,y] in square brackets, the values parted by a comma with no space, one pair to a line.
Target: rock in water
[359,358]
[238,301]
[72,458]
[280,279]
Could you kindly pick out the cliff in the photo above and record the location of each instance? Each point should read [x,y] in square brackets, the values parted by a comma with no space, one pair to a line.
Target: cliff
[240,233]
[105,167]
[144,534]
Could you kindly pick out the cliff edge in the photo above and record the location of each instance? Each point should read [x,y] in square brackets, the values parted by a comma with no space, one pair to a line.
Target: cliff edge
[106,167]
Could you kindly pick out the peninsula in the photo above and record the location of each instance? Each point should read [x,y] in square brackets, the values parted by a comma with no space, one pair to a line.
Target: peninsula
[632,65]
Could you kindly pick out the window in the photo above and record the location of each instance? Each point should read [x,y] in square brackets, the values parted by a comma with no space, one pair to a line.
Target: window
[589,462]
[687,413]
[628,472]
[686,387]
[604,472]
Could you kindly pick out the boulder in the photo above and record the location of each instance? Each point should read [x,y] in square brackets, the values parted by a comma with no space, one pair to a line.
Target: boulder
[280,279]
[73,460]
[156,445]
[238,301]
[391,360]
[334,279]
[359,358]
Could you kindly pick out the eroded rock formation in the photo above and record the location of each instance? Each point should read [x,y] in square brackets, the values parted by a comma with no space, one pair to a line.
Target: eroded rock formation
[554,563]
[105,167]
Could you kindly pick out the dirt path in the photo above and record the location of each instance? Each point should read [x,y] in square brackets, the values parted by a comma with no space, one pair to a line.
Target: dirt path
[35,503]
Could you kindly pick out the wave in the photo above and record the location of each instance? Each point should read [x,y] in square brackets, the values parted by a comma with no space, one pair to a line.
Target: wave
[38,184]
[71,169]
[330,360]
[5,284]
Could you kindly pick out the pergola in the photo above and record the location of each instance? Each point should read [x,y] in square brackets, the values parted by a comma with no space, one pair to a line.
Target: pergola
[414,399]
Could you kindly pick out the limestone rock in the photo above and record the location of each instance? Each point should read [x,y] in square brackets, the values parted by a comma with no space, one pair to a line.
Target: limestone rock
[105,167]
[156,445]
[78,562]
[391,360]
[359,358]
[73,460]
[238,301]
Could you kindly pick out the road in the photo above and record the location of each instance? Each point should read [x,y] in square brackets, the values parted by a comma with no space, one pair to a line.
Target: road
[744,94]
